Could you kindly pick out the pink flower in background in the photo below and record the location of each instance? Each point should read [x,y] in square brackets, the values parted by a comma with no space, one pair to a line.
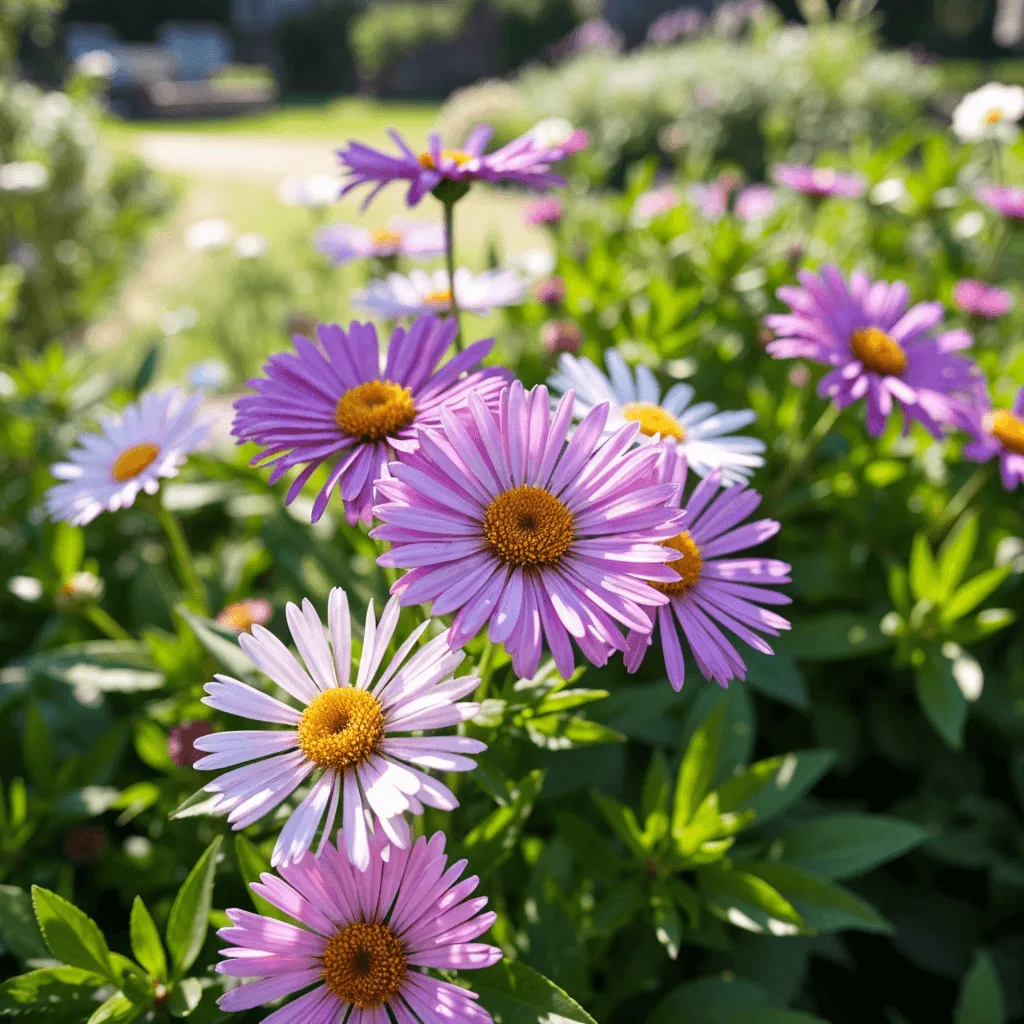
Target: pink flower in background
[981,299]
[998,433]
[1006,200]
[546,210]
[712,198]
[550,291]
[561,336]
[181,742]
[343,243]
[819,182]
[241,616]
[755,202]
[656,201]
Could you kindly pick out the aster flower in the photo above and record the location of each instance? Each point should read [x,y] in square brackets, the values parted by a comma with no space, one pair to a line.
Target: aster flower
[879,349]
[332,401]
[550,290]
[526,161]
[981,299]
[998,433]
[702,433]
[364,942]
[504,521]
[314,192]
[559,336]
[1006,200]
[241,616]
[755,202]
[655,201]
[711,592]
[210,234]
[991,112]
[343,243]
[131,454]
[545,210]
[349,731]
[819,182]
[422,292]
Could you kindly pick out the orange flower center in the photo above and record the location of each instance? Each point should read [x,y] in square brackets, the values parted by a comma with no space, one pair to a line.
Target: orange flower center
[528,526]
[365,964]
[241,616]
[439,299]
[654,420]
[132,461]
[878,352]
[386,238]
[375,410]
[459,157]
[1008,430]
[688,565]
[993,116]
[341,728]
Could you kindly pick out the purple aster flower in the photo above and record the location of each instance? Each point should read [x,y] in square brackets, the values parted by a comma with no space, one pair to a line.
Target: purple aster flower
[506,522]
[998,432]
[364,941]
[687,21]
[819,182]
[710,592]
[332,401]
[422,292]
[526,160]
[755,202]
[595,34]
[1006,200]
[343,243]
[546,210]
[350,730]
[880,350]
[711,198]
[981,299]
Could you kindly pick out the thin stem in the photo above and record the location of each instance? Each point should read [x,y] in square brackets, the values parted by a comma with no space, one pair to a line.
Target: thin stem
[958,503]
[188,576]
[105,623]
[449,258]
[805,451]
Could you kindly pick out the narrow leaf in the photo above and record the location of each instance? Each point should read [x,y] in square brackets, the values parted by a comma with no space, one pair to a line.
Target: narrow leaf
[981,996]
[146,944]
[697,768]
[190,912]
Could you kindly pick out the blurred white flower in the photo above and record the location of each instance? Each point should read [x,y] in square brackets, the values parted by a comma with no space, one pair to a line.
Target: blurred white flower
[28,588]
[552,131]
[95,64]
[23,176]
[946,198]
[969,225]
[536,262]
[251,245]
[991,112]
[209,234]
[888,192]
[422,292]
[174,321]
[210,373]
[314,192]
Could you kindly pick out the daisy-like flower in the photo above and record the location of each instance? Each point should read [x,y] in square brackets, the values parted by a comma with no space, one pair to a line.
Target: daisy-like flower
[819,182]
[1006,200]
[703,434]
[879,349]
[241,616]
[981,299]
[314,192]
[755,202]
[505,521]
[526,161]
[364,942]
[998,433]
[343,243]
[348,730]
[423,292]
[210,234]
[710,592]
[333,401]
[149,441]
[991,112]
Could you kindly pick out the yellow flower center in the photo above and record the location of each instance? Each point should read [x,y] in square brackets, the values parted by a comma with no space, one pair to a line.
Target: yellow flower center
[238,616]
[688,565]
[993,117]
[132,461]
[386,238]
[457,156]
[528,526]
[877,351]
[440,299]
[1008,430]
[375,410]
[365,964]
[341,728]
[654,420]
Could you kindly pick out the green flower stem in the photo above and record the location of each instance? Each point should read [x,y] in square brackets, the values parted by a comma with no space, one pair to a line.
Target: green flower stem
[105,623]
[449,259]
[804,452]
[185,564]
[958,504]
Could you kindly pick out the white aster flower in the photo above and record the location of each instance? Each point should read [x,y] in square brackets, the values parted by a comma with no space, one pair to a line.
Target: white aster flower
[991,112]
[23,176]
[422,292]
[209,234]
[314,192]
[700,431]
[251,245]
[130,454]
[347,730]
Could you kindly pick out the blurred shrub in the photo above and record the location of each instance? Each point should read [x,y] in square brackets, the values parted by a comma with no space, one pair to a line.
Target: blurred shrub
[315,49]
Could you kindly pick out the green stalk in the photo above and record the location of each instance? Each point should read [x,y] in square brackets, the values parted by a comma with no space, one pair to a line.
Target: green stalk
[184,563]
[449,259]
[804,451]
[105,623]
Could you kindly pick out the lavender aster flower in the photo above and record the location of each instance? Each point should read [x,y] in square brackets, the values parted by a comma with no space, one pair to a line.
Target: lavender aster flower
[343,243]
[998,433]
[366,940]
[755,202]
[711,592]
[819,182]
[545,210]
[332,401]
[981,299]
[1006,200]
[504,521]
[879,349]
[349,730]
[526,160]
[421,292]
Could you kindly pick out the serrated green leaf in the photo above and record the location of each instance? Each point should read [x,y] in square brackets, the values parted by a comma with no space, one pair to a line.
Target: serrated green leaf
[981,995]
[145,939]
[517,994]
[70,935]
[190,912]
[697,769]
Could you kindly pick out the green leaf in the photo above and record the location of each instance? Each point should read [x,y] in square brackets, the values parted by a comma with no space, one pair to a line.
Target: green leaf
[925,584]
[566,700]
[70,935]
[981,995]
[697,769]
[777,677]
[190,911]
[100,666]
[668,925]
[37,749]
[657,786]
[151,745]
[940,697]
[199,804]
[972,593]
[146,944]
[218,642]
[772,1016]
[747,901]
[834,637]
[185,997]
[68,550]
[251,864]
[556,732]
[844,845]
[710,1001]
[147,368]
[19,933]
[955,554]
[51,995]
[517,994]
[491,841]
[622,822]
[798,772]
[118,1009]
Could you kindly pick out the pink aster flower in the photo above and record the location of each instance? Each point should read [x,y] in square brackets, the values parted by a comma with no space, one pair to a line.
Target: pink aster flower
[505,521]
[351,731]
[981,299]
[364,942]
[545,210]
[819,182]
[655,201]
[332,401]
[710,592]
[526,161]
[879,349]
[998,433]
[755,202]
[343,243]
[1006,200]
